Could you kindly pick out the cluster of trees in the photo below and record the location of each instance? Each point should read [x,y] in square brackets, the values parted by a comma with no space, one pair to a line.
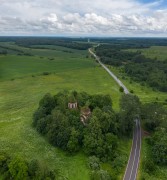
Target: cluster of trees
[114,55]
[132,42]
[154,118]
[64,129]
[97,173]
[18,168]
[149,71]
[65,42]
[138,67]
[99,137]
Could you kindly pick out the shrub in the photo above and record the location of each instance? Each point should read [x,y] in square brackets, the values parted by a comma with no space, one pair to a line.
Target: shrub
[46,73]
[94,163]
[131,91]
[121,89]
[100,175]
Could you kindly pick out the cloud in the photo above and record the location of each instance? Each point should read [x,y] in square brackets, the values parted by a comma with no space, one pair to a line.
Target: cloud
[82,17]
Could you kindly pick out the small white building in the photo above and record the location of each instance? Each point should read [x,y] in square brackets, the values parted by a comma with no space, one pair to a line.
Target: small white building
[73,105]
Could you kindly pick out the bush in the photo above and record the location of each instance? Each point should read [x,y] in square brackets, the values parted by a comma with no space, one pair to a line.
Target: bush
[121,89]
[46,73]
[94,163]
[148,166]
[131,91]
[119,162]
[18,168]
[100,175]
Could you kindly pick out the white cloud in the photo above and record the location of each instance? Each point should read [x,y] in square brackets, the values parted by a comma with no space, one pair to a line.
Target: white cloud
[82,17]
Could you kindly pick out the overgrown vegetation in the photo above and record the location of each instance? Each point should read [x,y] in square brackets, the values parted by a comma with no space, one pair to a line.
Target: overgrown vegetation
[22,86]
[98,136]
[18,168]
[154,119]
[140,68]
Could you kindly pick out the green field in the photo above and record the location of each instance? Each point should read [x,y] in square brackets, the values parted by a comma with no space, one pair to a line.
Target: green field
[22,86]
[154,52]
[145,93]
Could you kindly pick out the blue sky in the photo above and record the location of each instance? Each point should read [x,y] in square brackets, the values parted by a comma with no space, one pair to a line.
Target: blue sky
[84,17]
[162,3]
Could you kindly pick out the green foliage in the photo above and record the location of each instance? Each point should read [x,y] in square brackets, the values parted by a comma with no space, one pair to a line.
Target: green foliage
[20,99]
[121,89]
[73,143]
[119,162]
[63,127]
[4,158]
[100,101]
[149,166]
[94,139]
[130,110]
[18,168]
[159,147]
[155,158]
[135,65]
[153,115]
[113,55]
[100,175]
[94,163]
[69,43]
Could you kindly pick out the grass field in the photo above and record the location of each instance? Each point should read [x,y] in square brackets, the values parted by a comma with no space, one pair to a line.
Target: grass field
[145,93]
[154,52]
[23,84]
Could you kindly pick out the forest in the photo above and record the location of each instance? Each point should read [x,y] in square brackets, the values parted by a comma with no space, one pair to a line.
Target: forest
[98,136]
[140,68]
[154,118]
[73,43]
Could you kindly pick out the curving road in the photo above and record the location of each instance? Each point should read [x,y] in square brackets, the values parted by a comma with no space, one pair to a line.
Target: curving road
[134,158]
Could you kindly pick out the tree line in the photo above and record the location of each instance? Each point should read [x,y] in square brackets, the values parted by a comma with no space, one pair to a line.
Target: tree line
[69,43]
[16,167]
[154,117]
[140,68]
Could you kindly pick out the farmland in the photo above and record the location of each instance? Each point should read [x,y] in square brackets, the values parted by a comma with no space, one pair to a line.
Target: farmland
[23,83]
[154,52]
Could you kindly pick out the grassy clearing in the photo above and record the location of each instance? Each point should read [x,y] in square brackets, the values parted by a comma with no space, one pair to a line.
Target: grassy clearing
[19,67]
[19,98]
[145,93]
[154,52]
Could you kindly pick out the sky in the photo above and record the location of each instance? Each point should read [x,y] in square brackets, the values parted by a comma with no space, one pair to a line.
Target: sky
[104,18]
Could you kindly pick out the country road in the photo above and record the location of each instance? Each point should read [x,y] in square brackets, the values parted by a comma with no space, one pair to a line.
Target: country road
[134,158]
[126,91]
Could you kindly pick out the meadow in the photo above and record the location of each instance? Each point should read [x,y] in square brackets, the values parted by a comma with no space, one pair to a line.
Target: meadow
[145,93]
[23,83]
[154,52]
